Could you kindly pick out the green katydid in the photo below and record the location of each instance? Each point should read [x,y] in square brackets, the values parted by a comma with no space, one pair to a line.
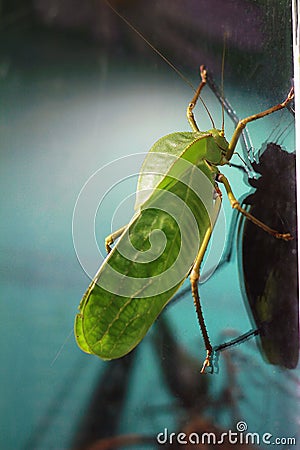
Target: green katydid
[177,204]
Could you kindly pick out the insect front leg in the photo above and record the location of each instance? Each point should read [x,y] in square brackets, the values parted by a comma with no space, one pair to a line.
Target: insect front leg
[242,123]
[109,240]
[236,205]
[192,104]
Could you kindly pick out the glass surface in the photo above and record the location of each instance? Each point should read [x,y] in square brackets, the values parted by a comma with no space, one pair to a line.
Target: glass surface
[78,94]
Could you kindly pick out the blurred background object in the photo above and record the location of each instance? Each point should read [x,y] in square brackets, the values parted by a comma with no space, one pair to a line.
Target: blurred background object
[258,31]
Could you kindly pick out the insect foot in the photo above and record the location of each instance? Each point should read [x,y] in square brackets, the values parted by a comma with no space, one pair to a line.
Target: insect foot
[207,362]
[284,236]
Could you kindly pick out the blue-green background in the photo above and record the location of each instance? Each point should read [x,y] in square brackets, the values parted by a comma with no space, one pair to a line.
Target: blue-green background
[68,108]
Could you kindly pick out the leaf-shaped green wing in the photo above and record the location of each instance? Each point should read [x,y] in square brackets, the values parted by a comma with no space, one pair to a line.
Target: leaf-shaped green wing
[151,259]
[157,163]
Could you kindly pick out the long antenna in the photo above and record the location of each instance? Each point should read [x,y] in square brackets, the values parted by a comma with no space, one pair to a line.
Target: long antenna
[185,79]
[133,28]
[222,80]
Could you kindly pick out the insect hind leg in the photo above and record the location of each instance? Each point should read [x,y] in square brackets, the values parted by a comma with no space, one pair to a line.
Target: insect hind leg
[194,279]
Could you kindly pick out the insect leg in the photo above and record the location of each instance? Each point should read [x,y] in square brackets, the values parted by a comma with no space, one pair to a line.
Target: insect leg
[112,237]
[195,276]
[236,205]
[192,104]
[242,123]
[194,279]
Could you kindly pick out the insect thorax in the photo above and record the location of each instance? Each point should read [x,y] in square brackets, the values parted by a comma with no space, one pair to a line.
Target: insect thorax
[217,147]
